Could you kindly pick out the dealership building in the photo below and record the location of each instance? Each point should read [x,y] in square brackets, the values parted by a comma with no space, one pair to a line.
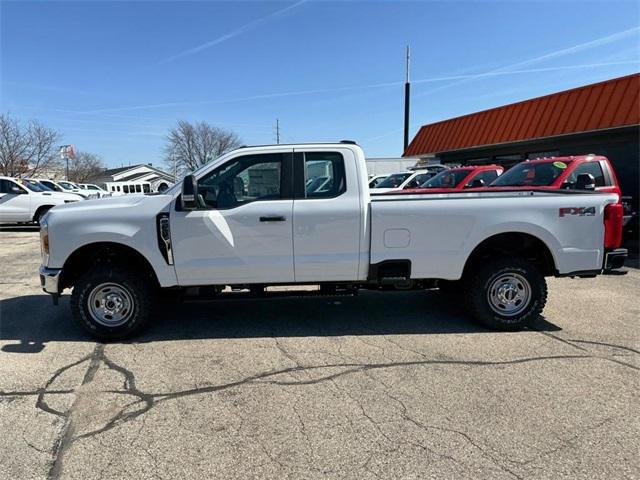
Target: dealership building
[601,118]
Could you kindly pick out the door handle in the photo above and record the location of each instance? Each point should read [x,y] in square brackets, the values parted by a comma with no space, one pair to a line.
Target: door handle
[273,219]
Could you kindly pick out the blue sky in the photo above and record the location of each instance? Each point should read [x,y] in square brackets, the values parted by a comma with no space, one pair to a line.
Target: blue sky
[113,76]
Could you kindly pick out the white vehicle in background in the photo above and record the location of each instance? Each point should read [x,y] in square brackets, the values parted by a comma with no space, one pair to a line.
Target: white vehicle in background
[400,181]
[72,187]
[95,189]
[374,180]
[127,188]
[64,186]
[25,200]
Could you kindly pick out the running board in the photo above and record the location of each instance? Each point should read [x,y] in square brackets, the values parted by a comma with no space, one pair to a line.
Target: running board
[247,294]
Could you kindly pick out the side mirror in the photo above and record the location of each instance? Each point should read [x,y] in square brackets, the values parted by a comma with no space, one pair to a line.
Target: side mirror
[477,183]
[189,197]
[585,181]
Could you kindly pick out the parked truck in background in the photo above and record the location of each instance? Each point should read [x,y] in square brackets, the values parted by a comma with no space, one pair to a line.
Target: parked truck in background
[26,201]
[457,179]
[248,221]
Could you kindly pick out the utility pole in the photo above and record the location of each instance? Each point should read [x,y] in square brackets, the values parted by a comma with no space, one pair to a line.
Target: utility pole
[278,131]
[407,91]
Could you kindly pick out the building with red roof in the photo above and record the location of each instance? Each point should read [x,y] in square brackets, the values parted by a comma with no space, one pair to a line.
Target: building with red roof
[602,118]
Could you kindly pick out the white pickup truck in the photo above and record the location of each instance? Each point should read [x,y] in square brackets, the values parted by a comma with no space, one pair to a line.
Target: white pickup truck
[25,201]
[254,218]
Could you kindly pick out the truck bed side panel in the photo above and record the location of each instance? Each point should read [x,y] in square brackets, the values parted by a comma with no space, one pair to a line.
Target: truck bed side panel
[437,233]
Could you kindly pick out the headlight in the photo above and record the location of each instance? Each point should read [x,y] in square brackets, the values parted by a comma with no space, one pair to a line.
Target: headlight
[44,241]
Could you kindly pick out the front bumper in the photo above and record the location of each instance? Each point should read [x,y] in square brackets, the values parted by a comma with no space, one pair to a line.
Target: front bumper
[49,279]
[615,259]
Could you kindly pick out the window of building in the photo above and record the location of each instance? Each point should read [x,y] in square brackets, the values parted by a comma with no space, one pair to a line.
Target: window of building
[324,174]
[547,154]
[242,180]
[478,161]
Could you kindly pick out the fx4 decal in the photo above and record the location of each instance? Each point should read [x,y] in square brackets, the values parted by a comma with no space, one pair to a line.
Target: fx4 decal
[580,211]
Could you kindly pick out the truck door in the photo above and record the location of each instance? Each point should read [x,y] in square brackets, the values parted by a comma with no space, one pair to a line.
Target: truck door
[326,216]
[15,202]
[242,232]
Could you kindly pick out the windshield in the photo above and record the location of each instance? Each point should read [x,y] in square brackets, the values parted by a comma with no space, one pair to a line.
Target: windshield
[446,179]
[32,185]
[393,181]
[52,186]
[531,174]
[68,185]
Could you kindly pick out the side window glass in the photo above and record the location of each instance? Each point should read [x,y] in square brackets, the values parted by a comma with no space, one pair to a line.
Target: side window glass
[4,186]
[9,187]
[324,175]
[243,180]
[489,176]
[146,188]
[138,189]
[125,188]
[590,167]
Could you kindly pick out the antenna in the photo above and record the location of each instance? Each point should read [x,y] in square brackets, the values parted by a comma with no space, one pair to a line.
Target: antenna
[407,93]
[277,131]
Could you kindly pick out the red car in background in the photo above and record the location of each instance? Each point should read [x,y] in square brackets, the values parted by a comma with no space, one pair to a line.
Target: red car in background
[558,173]
[456,179]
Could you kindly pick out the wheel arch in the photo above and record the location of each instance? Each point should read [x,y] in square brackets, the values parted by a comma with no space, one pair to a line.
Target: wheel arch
[99,253]
[520,244]
[41,208]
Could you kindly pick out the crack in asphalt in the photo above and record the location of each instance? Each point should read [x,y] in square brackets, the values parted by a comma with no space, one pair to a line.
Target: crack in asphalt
[145,401]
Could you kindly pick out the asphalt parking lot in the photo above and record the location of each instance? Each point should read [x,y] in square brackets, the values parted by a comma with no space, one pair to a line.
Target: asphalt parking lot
[383,385]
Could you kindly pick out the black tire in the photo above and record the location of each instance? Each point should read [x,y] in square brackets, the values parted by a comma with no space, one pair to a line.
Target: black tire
[37,218]
[514,276]
[133,286]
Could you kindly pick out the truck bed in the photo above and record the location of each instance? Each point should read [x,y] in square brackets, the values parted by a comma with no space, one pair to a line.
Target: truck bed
[438,232]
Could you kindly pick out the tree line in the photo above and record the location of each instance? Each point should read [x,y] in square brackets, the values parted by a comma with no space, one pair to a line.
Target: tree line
[32,149]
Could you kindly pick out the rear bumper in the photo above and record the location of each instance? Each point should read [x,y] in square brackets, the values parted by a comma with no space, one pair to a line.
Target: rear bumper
[614,259]
[49,279]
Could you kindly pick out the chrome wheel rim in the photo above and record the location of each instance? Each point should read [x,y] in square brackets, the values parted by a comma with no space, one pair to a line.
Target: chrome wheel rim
[110,304]
[509,294]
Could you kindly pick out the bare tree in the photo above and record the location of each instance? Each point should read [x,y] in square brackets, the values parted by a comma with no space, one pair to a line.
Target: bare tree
[26,149]
[191,145]
[85,166]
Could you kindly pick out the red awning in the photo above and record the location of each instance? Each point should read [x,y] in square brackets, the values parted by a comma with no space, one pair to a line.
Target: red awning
[613,103]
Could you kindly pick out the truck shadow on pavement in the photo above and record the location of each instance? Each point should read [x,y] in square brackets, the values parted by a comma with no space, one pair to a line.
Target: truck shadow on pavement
[32,321]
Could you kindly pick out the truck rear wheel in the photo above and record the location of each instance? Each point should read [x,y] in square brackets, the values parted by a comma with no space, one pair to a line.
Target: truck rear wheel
[111,302]
[506,294]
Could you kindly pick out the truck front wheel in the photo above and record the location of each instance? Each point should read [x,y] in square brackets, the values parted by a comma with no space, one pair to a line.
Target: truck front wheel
[111,303]
[507,294]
